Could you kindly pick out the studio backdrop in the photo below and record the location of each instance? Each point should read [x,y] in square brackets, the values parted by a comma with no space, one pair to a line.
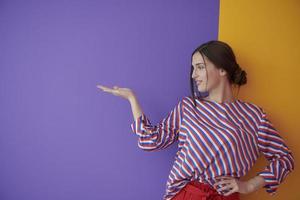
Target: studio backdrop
[61,138]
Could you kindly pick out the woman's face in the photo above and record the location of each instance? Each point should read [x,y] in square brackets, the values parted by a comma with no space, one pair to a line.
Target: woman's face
[212,78]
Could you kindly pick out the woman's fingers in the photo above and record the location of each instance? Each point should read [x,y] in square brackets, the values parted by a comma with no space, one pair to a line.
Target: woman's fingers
[114,90]
[102,87]
[105,89]
[224,177]
[117,91]
[222,182]
[225,188]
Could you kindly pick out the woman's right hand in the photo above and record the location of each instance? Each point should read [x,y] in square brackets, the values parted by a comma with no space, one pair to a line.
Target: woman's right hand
[126,93]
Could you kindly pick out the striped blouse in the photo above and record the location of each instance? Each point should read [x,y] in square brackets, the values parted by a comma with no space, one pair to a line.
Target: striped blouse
[216,139]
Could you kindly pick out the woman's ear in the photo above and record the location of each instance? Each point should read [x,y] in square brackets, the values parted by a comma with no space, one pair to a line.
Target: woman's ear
[222,72]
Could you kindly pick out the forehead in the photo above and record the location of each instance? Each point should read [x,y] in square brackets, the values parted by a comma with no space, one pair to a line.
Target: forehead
[197,59]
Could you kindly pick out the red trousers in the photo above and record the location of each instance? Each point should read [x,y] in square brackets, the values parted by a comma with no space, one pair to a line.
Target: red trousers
[201,191]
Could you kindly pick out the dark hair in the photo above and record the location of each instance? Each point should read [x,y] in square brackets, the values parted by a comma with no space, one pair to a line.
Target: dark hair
[222,56]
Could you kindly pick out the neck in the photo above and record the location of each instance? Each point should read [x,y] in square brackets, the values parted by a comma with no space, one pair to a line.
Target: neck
[222,93]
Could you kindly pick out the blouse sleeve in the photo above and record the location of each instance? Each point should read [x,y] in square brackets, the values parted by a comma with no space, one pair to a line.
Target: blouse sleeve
[159,136]
[273,147]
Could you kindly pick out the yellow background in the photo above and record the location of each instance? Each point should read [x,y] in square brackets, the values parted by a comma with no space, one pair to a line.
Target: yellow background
[264,35]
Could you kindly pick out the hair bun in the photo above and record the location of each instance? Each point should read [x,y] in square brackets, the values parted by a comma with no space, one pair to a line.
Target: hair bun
[239,76]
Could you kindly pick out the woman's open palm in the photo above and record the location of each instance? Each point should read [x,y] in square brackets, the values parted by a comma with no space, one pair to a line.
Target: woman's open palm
[117,91]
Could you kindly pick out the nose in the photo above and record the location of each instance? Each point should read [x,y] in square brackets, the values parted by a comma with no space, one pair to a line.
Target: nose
[193,74]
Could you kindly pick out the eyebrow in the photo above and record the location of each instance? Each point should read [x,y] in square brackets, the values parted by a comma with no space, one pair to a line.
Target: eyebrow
[197,64]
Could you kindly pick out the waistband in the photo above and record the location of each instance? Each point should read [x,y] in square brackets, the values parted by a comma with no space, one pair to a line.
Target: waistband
[205,190]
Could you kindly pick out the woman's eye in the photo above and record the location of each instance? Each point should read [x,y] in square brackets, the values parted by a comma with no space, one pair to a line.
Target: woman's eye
[200,67]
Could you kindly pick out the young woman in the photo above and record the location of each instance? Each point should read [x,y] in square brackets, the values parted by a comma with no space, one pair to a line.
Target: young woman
[220,137]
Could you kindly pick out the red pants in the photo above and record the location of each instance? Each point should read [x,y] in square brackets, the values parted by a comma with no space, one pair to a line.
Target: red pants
[201,191]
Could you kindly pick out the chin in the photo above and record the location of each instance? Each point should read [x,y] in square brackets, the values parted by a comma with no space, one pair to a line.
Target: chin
[201,90]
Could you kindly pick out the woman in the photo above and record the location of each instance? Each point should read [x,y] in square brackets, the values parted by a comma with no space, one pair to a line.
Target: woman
[220,137]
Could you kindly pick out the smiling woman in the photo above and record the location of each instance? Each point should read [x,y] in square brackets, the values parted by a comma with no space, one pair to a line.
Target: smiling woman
[220,137]
[216,60]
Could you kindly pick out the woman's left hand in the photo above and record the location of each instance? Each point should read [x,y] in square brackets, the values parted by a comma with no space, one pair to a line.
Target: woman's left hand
[232,184]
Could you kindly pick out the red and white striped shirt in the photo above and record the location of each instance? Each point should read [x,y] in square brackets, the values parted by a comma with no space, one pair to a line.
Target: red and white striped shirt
[216,139]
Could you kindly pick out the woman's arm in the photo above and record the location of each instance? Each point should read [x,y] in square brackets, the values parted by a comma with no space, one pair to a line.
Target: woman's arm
[153,137]
[135,107]
[275,150]
[125,93]
[224,183]
[256,183]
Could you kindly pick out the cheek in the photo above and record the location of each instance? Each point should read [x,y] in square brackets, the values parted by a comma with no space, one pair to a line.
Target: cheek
[210,79]
[202,75]
[213,79]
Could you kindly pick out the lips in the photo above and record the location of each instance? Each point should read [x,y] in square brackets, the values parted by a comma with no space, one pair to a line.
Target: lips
[198,82]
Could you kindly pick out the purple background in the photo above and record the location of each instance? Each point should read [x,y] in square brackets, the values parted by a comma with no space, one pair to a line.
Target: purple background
[61,137]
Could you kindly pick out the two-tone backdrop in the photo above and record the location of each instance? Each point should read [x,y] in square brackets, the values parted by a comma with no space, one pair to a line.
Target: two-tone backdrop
[61,138]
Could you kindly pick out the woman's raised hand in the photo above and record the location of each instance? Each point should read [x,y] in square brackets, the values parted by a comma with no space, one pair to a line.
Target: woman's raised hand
[126,93]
